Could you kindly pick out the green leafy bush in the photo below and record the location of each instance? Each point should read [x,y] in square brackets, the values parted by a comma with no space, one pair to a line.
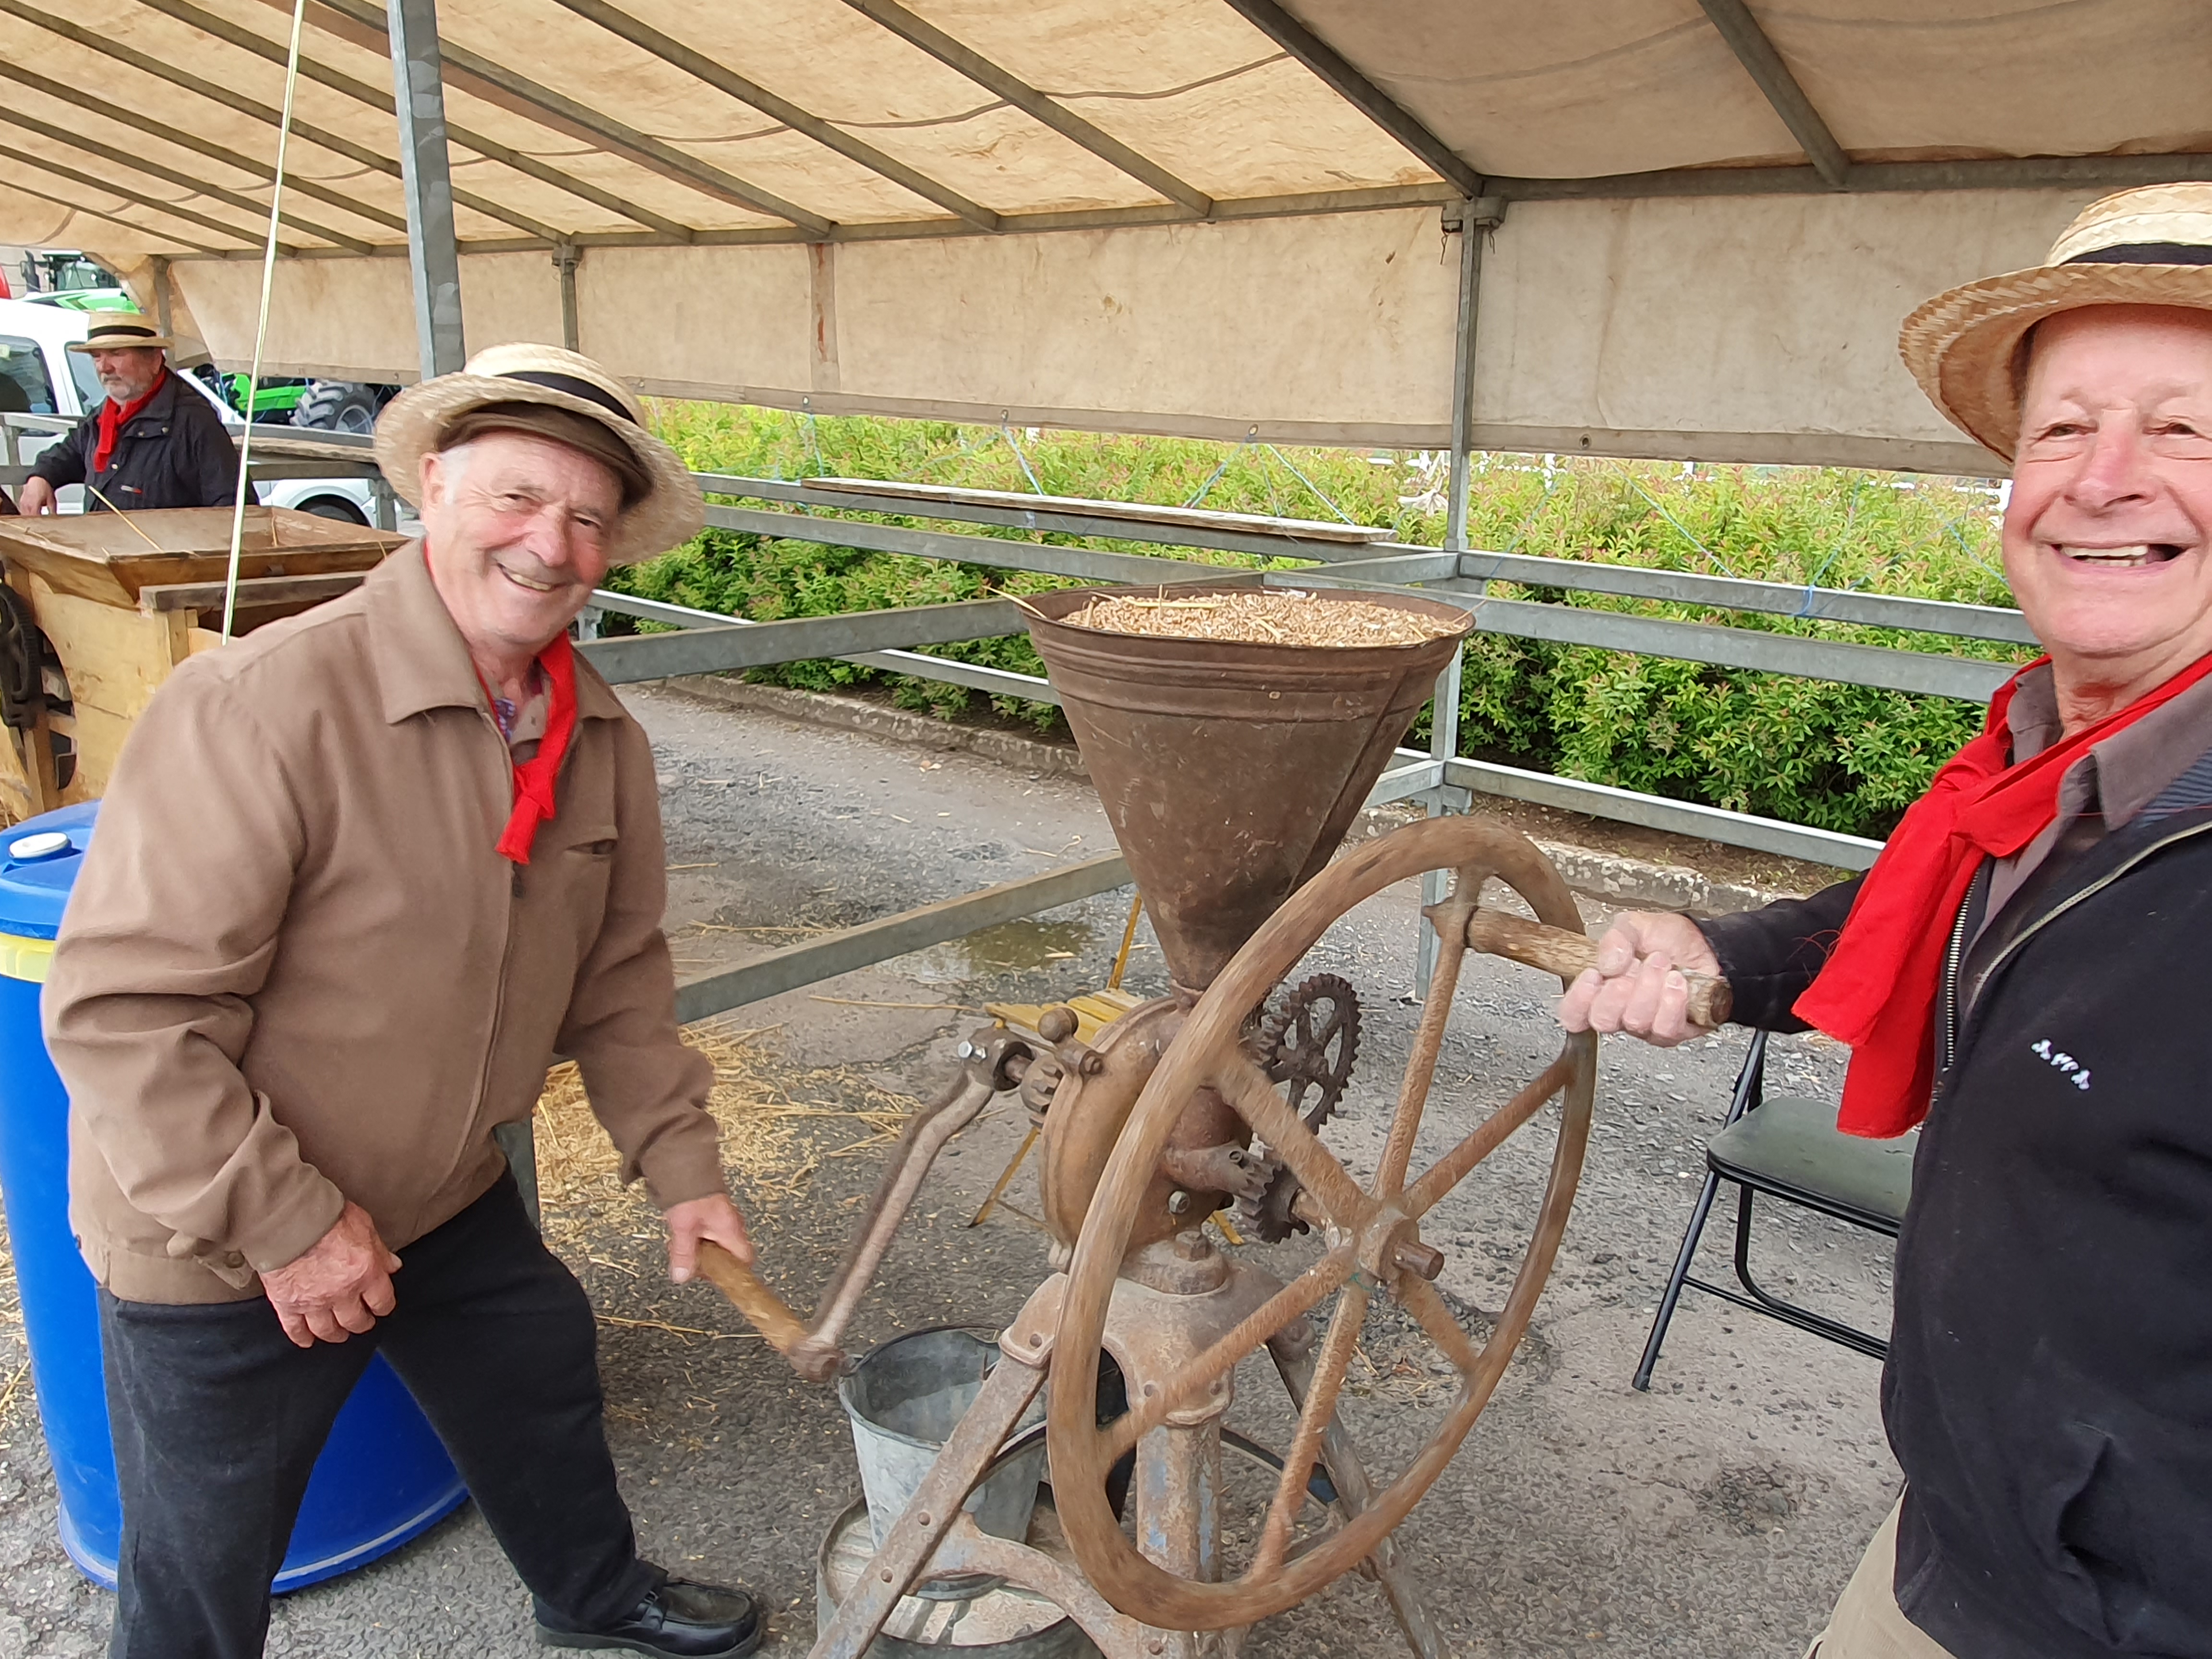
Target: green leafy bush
[1841,757]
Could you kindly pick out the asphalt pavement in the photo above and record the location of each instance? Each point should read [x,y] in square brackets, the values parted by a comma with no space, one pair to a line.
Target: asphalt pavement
[1717,1515]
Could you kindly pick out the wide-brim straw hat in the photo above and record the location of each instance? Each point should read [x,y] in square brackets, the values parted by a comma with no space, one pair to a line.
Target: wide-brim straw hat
[2151,246]
[670,511]
[121,331]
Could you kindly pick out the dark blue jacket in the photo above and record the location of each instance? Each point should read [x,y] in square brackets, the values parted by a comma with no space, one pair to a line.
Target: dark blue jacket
[2049,1387]
[174,452]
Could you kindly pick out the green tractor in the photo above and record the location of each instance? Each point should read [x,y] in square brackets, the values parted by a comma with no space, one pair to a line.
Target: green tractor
[326,405]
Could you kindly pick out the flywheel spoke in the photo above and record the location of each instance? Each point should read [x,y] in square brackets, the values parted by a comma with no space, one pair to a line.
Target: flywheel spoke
[1247,1089]
[1426,1303]
[1218,1358]
[1447,1171]
[1313,1418]
[1421,1064]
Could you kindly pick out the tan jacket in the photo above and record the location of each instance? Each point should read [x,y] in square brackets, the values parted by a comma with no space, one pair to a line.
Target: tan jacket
[294,971]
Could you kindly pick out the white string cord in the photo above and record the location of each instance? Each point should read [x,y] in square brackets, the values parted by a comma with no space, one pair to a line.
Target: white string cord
[261,323]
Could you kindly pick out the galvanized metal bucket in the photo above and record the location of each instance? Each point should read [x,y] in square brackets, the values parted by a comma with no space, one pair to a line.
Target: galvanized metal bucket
[997,1621]
[904,1399]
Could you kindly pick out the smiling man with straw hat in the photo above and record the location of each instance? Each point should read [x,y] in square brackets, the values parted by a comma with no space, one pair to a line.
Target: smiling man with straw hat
[2024,968]
[151,443]
[358,878]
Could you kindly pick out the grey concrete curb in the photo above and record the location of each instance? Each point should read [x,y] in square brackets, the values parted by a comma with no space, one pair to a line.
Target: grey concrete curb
[901,725]
[1608,876]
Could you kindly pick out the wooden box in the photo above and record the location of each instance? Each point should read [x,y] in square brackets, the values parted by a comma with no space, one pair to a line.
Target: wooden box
[122,597]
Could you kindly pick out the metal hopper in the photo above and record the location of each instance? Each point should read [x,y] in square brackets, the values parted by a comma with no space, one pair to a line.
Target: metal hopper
[1231,771]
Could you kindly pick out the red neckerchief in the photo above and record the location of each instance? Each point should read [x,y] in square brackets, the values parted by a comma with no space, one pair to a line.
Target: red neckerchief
[1878,988]
[112,420]
[533,778]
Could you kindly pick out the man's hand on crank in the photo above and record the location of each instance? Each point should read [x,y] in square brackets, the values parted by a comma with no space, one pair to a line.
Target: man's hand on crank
[341,1287]
[1636,987]
[34,498]
[695,1218]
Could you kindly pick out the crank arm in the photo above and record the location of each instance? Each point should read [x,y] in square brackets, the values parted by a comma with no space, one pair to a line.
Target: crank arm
[993,1060]
[1556,951]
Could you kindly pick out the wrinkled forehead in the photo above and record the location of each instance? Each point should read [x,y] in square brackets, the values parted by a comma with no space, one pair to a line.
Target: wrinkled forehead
[496,457]
[2168,343]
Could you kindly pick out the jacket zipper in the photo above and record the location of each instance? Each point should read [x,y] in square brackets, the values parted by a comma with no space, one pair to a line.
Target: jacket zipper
[1954,953]
[1951,968]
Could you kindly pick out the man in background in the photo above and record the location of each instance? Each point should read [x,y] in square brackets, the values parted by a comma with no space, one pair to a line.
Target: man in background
[152,442]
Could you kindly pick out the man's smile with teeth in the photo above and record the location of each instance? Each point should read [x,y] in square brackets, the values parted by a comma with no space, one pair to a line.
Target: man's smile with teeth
[2132,557]
[529,582]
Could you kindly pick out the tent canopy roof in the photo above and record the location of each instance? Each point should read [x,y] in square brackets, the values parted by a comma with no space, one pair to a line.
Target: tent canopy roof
[746,150]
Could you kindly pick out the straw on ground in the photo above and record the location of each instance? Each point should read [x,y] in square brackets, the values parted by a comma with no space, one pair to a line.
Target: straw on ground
[762,1110]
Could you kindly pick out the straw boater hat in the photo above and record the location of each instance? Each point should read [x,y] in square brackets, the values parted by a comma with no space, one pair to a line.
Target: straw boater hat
[120,330]
[555,394]
[2151,246]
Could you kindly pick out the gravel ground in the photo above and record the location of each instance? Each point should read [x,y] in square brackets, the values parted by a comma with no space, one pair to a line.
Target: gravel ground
[1717,1515]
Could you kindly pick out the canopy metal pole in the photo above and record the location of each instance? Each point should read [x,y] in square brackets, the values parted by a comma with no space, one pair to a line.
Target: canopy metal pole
[566,258]
[1476,216]
[434,257]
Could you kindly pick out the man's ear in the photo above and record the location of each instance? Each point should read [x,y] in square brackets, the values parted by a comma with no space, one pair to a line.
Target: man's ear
[431,479]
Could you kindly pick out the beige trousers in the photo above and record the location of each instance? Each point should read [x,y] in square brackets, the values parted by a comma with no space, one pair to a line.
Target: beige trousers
[1867,1623]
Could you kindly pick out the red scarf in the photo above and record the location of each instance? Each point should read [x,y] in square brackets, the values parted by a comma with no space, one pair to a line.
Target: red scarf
[533,778]
[112,420]
[1878,991]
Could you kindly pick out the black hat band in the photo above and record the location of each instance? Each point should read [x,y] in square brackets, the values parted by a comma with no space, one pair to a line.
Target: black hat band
[2147,253]
[575,388]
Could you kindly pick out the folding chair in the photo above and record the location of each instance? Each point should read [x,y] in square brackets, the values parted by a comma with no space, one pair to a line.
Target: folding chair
[1789,1149]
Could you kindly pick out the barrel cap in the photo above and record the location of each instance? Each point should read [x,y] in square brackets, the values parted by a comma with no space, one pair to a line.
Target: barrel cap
[38,861]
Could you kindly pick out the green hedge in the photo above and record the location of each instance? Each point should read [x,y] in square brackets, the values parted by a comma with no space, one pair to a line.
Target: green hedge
[1841,757]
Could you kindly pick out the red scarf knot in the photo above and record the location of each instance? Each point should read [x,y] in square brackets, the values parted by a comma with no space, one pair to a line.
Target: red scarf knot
[112,420]
[533,778]
[1878,991]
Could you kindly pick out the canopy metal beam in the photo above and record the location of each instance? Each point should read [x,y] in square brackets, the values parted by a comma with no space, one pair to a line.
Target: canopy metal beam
[433,254]
[376,98]
[188,215]
[123,115]
[356,21]
[1763,64]
[322,138]
[701,67]
[1033,103]
[1976,173]
[1362,93]
[93,147]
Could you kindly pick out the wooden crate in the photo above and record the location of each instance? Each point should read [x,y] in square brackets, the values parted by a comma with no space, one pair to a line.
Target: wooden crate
[124,598]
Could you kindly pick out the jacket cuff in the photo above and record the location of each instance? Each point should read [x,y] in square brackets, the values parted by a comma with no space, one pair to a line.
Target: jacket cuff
[684,1163]
[280,1234]
[1761,1001]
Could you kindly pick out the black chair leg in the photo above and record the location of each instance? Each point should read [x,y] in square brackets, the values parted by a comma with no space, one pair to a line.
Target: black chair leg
[1763,1301]
[1674,1281]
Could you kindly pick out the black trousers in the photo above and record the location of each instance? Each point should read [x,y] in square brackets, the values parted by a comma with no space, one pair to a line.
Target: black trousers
[218,1419]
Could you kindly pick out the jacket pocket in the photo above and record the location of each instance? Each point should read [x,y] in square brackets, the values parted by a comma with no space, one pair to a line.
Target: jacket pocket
[2109,1515]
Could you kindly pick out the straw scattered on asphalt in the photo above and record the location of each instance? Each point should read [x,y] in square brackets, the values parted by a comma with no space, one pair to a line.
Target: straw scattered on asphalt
[1270,616]
[763,1109]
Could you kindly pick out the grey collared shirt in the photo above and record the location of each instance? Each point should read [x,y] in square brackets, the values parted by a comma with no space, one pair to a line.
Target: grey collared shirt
[2111,784]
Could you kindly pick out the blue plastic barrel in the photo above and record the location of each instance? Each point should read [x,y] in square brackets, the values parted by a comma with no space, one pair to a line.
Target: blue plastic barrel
[382,1478]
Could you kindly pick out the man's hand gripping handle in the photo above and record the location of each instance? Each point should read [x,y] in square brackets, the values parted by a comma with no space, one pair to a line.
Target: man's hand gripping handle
[992,1062]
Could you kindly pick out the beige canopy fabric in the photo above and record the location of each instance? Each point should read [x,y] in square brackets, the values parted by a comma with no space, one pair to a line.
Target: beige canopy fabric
[1223,217]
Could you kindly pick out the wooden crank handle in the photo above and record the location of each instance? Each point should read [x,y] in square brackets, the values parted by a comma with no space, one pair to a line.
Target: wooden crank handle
[1556,951]
[768,1314]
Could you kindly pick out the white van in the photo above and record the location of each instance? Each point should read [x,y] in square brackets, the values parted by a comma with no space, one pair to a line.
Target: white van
[40,376]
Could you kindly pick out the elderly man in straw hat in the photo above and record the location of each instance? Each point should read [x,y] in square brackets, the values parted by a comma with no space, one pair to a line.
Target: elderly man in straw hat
[2024,968]
[358,878]
[152,442]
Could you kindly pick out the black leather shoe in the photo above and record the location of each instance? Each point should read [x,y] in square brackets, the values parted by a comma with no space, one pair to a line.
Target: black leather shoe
[677,1617]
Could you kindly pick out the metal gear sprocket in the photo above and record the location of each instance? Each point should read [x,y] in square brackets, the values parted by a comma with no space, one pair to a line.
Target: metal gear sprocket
[1309,1042]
